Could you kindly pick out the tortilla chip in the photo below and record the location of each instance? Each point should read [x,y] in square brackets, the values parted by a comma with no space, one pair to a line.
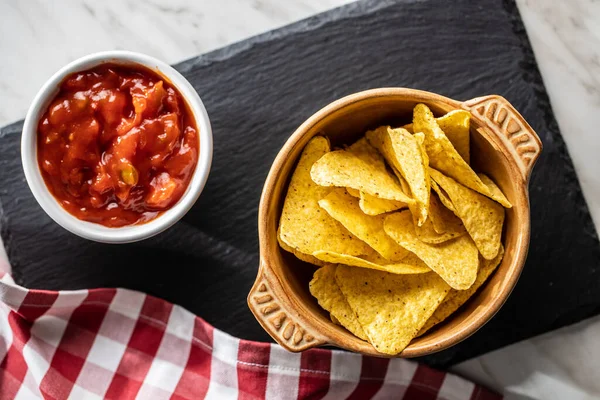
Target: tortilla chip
[353,192]
[403,183]
[483,218]
[404,152]
[435,214]
[390,308]
[304,257]
[410,265]
[457,298]
[443,196]
[442,154]
[325,289]
[456,125]
[442,218]
[335,320]
[427,233]
[455,261]
[372,205]
[495,192]
[358,167]
[344,208]
[304,226]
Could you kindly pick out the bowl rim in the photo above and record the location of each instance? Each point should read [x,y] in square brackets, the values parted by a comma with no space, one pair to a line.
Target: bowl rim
[93,231]
[327,330]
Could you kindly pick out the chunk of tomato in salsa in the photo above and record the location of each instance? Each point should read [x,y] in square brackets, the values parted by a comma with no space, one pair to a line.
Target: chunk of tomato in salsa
[117,145]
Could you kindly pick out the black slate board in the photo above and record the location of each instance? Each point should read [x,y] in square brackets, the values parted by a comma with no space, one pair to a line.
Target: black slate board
[257,92]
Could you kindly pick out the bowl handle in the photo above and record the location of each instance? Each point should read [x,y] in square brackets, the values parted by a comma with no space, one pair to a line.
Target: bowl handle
[500,117]
[271,308]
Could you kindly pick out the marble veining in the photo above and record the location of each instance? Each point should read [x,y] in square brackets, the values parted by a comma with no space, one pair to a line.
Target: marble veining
[42,35]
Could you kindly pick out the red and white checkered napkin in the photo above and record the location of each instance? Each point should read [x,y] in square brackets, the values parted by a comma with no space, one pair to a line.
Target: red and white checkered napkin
[121,344]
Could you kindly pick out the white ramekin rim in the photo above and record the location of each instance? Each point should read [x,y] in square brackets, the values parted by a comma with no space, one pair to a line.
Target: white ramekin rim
[97,232]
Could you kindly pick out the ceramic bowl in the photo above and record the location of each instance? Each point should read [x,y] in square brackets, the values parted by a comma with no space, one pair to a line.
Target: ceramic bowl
[97,232]
[503,146]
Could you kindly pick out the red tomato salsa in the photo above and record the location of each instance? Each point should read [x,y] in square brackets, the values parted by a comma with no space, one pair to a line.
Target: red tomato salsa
[117,145]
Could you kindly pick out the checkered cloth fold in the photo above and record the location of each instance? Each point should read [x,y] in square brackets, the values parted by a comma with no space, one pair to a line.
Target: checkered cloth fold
[122,344]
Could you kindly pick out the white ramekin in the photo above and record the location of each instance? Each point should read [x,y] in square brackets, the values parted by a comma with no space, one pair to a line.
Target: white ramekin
[99,232]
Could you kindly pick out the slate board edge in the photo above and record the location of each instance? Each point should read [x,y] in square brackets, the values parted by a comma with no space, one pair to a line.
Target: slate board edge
[5,234]
[352,10]
[531,74]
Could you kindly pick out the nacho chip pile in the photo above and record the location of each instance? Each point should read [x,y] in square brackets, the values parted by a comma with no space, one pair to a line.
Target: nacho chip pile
[404,230]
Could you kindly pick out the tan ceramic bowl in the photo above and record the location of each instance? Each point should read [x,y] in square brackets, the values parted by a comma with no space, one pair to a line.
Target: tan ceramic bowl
[503,146]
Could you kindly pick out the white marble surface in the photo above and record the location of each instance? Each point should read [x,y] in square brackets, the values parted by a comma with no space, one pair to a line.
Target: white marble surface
[43,35]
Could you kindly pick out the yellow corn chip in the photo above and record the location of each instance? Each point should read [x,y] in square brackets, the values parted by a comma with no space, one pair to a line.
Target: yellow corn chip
[358,167]
[426,233]
[335,320]
[410,265]
[442,218]
[457,298]
[456,125]
[442,155]
[325,289]
[495,192]
[403,183]
[372,205]
[353,192]
[435,214]
[420,138]
[344,208]
[455,261]
[390,308]
[483,218]
[443,196]
[303,225]
[404,152]
[304,257]
[436,210]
